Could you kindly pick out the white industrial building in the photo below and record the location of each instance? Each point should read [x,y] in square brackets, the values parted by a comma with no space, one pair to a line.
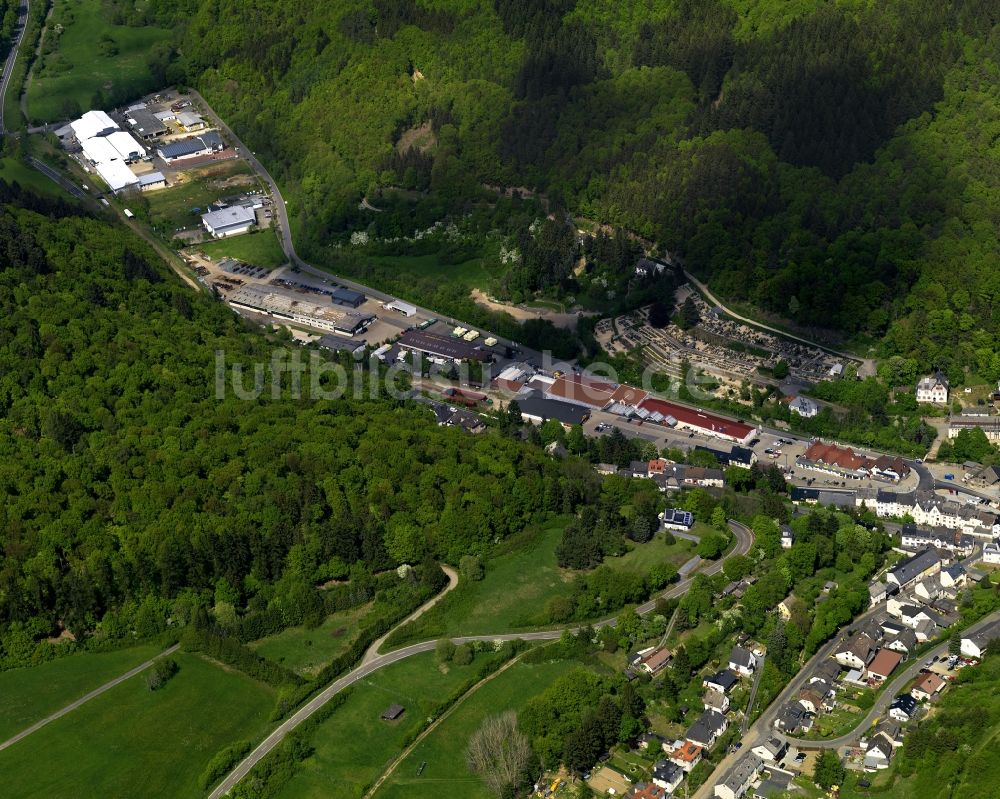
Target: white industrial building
[91,124]
[230,221]
[116,174]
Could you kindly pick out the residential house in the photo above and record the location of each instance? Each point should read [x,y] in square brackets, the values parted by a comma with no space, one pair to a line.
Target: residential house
[954,541]
[685,754]
[903,708]
[742,661]
[773,750]
[644,790]
[791,718]
[606,468]
[985,478]
[705,477]
[811,699]
[928,687]
[740,777]
[876,593]
[855,652]
[804,407]
[905,641]
[891,731]
[954,576]
[639,469]
[933,388]
[925,630]
[677,519]
[878,754]
[991,554]
[707,729]
[828,671]
[716,701]
[787,537]
[722,681]
[908,571]
[883,664]
[975,645]
[667,775]
[655,661]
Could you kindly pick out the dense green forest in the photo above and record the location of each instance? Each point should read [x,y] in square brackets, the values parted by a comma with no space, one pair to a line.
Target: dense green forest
[832,162]
[132,494]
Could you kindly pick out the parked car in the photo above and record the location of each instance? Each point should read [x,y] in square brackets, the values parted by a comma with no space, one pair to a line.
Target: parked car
[949,476]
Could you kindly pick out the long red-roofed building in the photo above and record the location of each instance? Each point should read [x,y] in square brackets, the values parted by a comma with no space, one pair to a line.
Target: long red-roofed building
[699,421]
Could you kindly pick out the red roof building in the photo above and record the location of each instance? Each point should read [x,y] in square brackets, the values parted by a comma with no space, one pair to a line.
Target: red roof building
[700,421]
[884,664]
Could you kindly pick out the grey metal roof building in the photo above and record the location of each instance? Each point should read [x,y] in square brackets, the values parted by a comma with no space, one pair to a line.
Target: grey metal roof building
[542,409]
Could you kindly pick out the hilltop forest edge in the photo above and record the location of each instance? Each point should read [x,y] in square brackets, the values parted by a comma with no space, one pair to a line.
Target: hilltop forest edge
[829,163]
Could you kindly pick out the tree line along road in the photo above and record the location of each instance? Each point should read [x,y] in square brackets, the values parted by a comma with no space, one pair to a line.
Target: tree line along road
[373,661]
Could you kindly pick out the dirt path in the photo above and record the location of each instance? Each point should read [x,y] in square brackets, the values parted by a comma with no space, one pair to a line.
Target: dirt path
[522,312]
[372,651]
[434,724]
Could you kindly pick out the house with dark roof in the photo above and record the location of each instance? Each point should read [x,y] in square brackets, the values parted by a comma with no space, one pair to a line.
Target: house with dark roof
[791,718]
[742,661]
[722,681]
[908,571]
[773,749]
[855,652]
[709,726]
[667,775]
[903,708]
[737,781]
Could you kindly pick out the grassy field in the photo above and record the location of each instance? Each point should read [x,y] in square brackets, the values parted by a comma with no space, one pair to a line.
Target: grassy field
[444,749]
[468,274]
[520,582]
[27,695]
[260,248]
[174,207]
[354,746]
[642,557]
[79,67]
[307,651]
[131,742]
[15,171]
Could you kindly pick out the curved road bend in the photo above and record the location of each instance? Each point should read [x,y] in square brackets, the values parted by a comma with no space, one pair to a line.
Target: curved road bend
[760,730]
[374,662]
[8,67]
[87,697]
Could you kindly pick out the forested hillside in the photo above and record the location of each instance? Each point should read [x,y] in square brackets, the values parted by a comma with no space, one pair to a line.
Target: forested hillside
[131,494]
[833,162]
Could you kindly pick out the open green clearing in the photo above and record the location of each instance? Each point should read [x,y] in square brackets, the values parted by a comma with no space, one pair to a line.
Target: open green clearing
[134,742]
[354,745]
[174,207]
[260,248]
[467,274]
[642,557]
[78,68]
[306,651]
[523,579]
[14,171]
[444,749]
[28,695]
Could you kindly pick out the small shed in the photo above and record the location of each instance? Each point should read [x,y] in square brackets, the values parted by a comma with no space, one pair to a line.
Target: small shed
[393,712]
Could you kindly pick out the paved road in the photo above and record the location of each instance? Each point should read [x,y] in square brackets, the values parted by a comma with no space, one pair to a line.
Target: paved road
[744,540]
[57,178]
[8,67]
[86,698]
